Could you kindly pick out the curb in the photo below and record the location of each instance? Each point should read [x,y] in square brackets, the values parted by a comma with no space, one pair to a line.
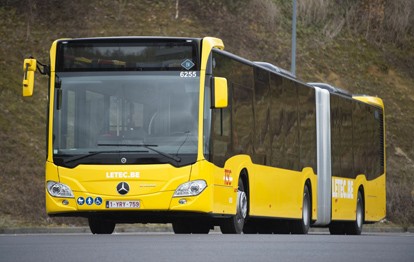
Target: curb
[85,229]
[163,228]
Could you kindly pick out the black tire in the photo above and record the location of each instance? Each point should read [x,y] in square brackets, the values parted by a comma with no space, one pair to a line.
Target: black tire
[187,226]
[265,227]
[181,227]
[235,224]
[281,227]
[250,227]
[101,226]
[355,227]
[337,228]
[200,228]
[302,226]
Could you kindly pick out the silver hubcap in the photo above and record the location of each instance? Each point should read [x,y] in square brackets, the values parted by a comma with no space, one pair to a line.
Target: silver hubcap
[359,213]
[241,205]
[305,211]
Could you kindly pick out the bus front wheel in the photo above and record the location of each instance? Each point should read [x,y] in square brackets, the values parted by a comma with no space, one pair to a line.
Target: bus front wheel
[234,224]
[101,226]
[191,226]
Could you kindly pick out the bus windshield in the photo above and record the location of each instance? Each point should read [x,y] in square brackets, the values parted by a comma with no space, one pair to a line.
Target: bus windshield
[125,117]
[132,54]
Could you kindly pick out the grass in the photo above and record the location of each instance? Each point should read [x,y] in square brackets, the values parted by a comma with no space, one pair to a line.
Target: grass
[347,60]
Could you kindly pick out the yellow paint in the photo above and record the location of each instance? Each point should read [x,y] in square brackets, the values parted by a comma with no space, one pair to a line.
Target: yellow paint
[52,100]
[372,100]
[220,92]
[344,208]
[208,44]
[344,197]
[375,199]
[279,192]
[29,69]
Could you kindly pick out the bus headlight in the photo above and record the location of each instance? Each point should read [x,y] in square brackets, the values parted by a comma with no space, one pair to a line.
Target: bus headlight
[192,188]
[59,190]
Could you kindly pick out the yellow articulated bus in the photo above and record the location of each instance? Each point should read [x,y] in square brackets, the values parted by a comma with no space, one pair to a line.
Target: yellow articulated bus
[177,130]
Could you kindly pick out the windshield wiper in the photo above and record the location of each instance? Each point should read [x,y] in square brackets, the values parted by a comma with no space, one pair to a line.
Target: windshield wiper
[93,153]
[150,147]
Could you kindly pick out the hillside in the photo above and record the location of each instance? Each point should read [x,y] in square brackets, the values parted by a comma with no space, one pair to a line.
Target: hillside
[364,46]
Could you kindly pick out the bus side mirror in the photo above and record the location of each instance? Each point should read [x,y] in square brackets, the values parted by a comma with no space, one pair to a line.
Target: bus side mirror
[29,69]
[220,93]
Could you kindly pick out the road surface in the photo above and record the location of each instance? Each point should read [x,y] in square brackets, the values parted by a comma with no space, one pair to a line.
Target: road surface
[213,247]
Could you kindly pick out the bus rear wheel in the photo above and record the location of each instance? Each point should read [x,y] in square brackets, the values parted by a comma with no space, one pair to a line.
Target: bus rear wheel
[355,227]
[337,228]
[101,226]
[235,224]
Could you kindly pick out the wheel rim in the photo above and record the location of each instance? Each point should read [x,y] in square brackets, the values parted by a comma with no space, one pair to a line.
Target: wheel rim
[305,211]
[241,206]
[359,217]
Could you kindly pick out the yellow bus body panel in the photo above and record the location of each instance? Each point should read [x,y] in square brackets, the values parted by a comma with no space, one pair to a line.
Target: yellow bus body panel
[372,100]
[344,198]
[375,199]
[278,192]
[152,185]
[273,192]
[52,101]
[207,45]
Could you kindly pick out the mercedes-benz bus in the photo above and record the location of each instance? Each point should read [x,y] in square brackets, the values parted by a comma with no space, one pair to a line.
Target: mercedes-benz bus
[177,130]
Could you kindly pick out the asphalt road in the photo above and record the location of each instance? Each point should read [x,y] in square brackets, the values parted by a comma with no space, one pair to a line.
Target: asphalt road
[213,247]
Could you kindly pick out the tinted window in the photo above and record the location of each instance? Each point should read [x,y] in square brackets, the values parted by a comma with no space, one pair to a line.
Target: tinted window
[127,55]
[271,118]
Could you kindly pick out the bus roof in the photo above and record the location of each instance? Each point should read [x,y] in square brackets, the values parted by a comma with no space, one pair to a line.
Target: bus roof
[372,100]
[331,89]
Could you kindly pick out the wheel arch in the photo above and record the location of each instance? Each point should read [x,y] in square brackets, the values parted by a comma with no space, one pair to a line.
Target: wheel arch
[240,165]
[362,190]
[244,176]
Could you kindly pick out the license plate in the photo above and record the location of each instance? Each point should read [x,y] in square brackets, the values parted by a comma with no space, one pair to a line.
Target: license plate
[122,204]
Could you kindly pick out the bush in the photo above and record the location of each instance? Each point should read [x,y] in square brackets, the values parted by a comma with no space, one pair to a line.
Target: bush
[377,20]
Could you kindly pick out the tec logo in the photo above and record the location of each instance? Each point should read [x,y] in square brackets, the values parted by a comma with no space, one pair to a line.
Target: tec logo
[89,201]
[228,179]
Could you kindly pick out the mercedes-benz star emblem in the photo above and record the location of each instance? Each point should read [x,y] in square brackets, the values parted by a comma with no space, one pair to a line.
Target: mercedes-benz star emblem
[122,188]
